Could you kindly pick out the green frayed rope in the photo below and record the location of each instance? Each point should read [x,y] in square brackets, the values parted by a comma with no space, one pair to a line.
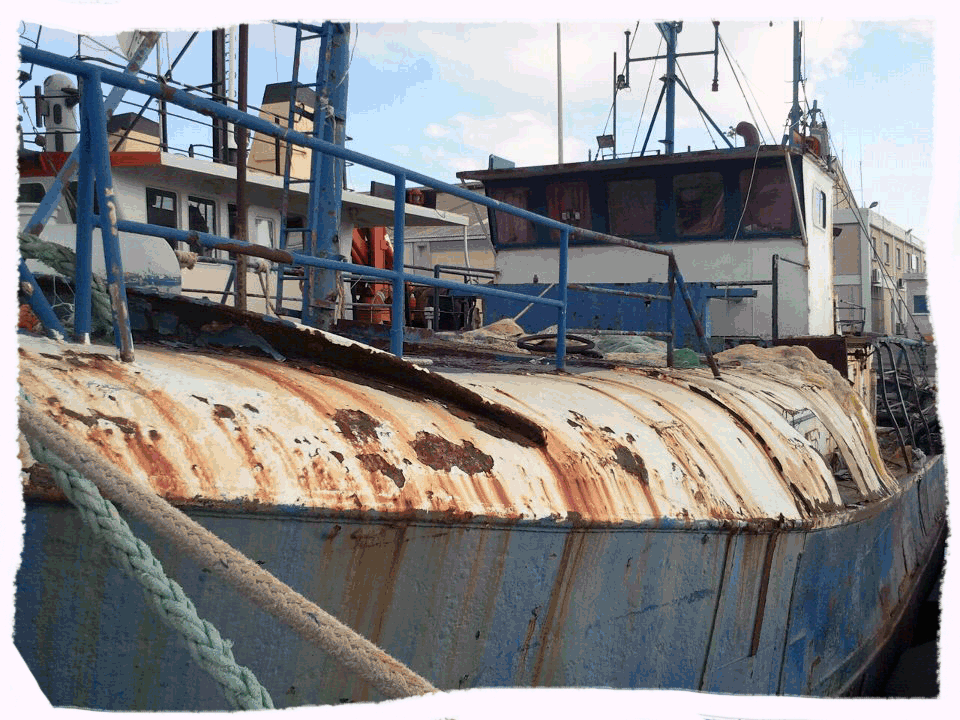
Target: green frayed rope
[176,611]
[64,261]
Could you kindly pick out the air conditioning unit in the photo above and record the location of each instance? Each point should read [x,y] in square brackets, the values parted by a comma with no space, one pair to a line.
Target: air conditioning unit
[900,283]
[875,276]
[900,329]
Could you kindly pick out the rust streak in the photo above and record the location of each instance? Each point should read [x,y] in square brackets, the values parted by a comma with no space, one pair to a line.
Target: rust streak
[762,599]
[561,595]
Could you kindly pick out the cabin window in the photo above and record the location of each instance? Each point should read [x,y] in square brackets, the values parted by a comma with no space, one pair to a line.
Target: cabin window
[263,232]
[202,217]
[161,208]
[70,196]
[769,201]
[920,305]
[819,208]
[699,200]
[632,205]
[569,202]
[30,193]
[513,230]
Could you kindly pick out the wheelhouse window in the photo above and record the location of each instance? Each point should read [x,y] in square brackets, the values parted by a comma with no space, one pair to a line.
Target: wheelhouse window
[699,201]
[769,201]
[513,230]
[632,205]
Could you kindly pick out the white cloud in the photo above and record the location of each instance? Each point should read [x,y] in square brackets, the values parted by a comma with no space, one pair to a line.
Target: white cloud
[436,131]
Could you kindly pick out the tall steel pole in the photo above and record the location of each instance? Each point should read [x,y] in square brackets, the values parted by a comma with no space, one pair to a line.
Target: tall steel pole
[795,108]
[614,106]
[669,31]
[559,101]
[240,132]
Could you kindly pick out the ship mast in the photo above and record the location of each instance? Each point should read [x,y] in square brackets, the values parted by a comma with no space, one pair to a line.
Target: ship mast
[670,30]
[795,112]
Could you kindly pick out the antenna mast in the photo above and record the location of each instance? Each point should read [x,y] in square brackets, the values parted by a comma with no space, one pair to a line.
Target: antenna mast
[795,108]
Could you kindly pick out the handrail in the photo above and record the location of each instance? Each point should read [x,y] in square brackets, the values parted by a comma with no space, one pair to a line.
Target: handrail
[94,76]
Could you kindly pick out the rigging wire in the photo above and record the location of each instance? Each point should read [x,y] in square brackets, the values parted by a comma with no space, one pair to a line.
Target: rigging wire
[731,61]
[703,118]
[350,61]
[645,97]
[109,49]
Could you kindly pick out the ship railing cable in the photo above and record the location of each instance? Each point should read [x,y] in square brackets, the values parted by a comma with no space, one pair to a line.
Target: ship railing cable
[350,649]
[746,200]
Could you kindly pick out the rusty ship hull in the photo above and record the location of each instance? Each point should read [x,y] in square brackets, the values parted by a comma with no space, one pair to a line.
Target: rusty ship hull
[609,526]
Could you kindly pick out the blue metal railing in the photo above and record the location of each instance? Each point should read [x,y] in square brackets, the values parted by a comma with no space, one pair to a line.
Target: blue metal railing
[93,117]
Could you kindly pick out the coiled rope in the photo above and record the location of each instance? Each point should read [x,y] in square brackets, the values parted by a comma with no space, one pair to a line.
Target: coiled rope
[387,674]
[64,261]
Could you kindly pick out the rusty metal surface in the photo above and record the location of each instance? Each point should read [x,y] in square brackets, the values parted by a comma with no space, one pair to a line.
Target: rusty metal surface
[472,605]
[831,349]
[622,446]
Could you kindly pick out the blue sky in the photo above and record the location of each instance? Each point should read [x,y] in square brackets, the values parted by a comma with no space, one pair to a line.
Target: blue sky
[440,97]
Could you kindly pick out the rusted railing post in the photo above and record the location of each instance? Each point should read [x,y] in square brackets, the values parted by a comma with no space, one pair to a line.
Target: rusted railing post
[775,300]
[693,318]
[240,133]
[562,310]
[671,315]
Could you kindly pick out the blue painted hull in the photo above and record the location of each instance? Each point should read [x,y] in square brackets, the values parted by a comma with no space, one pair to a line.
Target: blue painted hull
[798,612]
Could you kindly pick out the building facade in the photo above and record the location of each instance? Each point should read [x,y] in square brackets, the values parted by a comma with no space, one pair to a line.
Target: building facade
[879,278]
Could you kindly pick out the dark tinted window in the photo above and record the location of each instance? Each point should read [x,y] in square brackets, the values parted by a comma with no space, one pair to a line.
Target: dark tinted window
[512,230]
[161,208]
[699,201]
[769,201]
[632,205]
[30,193]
